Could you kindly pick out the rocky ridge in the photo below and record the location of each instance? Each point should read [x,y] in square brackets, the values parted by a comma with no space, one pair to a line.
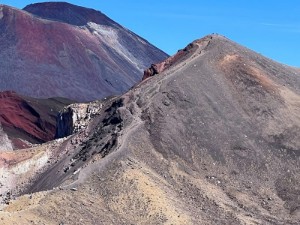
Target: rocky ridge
[213,139]
[181,55]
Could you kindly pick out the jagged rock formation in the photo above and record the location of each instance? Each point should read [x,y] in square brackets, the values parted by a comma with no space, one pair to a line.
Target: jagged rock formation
[58,49]
[171,61]
[76,117]
[213,139]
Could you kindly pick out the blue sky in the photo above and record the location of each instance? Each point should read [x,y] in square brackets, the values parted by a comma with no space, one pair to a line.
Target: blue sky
[271,28]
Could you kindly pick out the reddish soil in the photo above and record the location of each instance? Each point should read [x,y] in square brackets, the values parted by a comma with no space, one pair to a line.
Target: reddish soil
[173,60]
[28,119]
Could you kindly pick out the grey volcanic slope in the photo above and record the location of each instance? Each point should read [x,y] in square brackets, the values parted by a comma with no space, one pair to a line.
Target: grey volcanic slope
[214,139]
[58,49]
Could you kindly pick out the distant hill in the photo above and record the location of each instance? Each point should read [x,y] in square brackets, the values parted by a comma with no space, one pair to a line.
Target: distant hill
[58,49]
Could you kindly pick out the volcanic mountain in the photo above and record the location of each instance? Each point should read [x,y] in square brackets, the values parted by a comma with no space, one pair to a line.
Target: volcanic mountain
[26,121]
[58,49]
[211,138]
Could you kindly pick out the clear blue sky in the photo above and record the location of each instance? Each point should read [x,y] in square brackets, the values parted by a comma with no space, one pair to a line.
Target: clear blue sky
[269,27]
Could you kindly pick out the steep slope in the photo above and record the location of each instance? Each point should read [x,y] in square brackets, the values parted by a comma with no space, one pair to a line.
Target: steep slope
[5,143]
[27,121]
[58,49]
[213,139]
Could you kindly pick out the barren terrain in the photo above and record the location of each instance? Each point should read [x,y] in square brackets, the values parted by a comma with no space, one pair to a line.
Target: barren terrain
[58,49]
[213,139]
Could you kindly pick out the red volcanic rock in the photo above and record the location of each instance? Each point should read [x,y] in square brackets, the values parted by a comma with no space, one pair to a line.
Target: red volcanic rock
[58,49]
[28,120]
[178,57]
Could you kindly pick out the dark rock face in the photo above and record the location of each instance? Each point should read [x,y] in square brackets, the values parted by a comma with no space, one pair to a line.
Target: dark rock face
[58,49]
[27,120]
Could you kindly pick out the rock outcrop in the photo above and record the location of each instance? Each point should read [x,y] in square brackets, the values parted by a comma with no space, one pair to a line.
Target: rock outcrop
[76,117]
[5,143]
[172,60]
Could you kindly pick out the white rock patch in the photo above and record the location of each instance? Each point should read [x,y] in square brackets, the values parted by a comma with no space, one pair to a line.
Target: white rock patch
[110,36]
[30,165]
[1,13]
[5,143]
